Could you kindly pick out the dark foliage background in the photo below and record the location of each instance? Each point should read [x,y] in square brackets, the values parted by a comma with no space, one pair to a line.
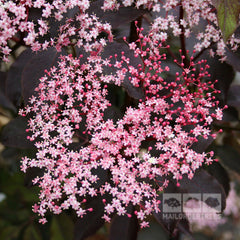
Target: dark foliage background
[17,195]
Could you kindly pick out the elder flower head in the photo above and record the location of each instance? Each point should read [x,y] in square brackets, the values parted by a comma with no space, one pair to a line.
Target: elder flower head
[74,26]
[153,140]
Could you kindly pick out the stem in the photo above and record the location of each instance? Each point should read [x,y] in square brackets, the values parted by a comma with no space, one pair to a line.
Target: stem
[182,38]
[169,51]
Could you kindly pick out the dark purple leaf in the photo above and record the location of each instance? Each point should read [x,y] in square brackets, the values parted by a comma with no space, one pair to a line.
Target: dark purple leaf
[14,134]
[229,156]
[115,18]
[3,77]
[220,173]
[112,113]
[173,223]
[234,96]
[169,224]
[4,101]
[11,156]
[34,14]
[31,174]
[13,82]
[91,222]
[169,221]
[202,144]
[230,114]
[132,91]
[203,183]
[124,227]
[54,25]
[222,72]
[117,48]
[34,70]
[102,175]
[233,59]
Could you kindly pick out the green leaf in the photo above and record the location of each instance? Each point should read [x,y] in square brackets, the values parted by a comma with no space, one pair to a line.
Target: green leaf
[10,232]
[228,16]
[31,233]
[56,233]
[62,227]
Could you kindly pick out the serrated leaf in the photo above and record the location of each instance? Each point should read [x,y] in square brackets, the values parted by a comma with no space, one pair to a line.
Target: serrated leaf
[184,227]
[154,232]
[34,70]
[14,134]
[228,16]
[102,175]
[54,26]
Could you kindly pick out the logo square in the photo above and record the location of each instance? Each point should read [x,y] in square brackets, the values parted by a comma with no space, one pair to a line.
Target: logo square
[172,202]
[213,200]
[192,202]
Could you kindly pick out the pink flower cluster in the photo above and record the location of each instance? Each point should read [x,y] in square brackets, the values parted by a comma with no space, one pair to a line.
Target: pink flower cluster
[79,29]
[169,119]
